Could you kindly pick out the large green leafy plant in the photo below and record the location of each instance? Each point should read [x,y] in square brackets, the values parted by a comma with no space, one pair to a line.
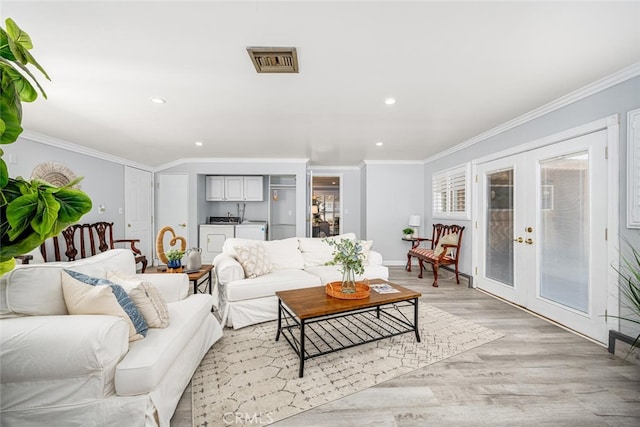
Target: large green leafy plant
[629,284]
[30,211]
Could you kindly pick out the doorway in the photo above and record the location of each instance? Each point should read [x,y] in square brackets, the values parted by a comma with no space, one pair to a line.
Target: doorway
[542,244]
[325,205]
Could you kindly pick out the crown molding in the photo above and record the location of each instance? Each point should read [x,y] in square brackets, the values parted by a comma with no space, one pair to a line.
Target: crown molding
[618,77]
[65,145]
[393,162]
[333,168]
[182,161]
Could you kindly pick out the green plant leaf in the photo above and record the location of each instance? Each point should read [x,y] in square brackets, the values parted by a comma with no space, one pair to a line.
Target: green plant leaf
[5,51]
[73,205]
[20,212]
[46,215]
[4,173]
[22,86]
[20,37]
[11,118]
[6,266]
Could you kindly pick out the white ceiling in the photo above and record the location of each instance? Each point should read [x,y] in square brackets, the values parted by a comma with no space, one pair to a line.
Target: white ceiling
[457,69]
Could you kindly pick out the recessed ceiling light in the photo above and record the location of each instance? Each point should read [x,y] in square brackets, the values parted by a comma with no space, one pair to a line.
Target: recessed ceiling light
[390,101]
[379,143]
[157,100]
[199,143]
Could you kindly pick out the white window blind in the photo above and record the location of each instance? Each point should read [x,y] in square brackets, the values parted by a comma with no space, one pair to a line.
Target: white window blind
[450,190]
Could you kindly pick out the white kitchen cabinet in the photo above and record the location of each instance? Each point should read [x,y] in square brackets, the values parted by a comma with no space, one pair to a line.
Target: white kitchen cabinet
[214,188]
[253,189]
[212,238]
[234,188]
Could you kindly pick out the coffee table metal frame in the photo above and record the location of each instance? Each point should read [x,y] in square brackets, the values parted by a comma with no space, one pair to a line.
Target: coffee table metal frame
[323,334]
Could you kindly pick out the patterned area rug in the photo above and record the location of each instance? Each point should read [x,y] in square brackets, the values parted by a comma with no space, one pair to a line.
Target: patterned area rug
[249,378]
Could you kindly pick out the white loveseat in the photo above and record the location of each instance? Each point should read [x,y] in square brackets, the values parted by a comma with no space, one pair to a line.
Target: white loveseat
[81,370]
[297,262]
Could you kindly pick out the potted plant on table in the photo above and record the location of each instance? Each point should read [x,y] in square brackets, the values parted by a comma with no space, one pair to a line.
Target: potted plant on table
[174,256]
[30,211]
[348,255]
[408,233]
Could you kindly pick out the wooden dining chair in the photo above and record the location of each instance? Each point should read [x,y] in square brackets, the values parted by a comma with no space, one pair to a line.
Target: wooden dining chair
[444,249]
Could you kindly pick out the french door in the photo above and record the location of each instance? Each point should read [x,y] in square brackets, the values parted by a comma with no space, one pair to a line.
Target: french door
[542,219]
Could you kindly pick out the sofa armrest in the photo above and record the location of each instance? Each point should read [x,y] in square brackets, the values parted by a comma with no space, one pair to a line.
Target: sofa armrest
[56,360]
[375,258]
[173,286]
[227,269]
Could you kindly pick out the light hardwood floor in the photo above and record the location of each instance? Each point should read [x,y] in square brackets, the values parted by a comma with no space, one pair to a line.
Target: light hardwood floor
[537,375]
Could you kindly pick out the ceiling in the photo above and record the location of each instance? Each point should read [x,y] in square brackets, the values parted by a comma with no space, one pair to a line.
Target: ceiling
[456,69]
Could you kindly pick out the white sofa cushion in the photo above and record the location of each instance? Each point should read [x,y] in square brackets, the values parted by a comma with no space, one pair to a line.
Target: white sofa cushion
[49,361]
[149,359]
[284,254]
[36,290]
[269,284]
[316,251]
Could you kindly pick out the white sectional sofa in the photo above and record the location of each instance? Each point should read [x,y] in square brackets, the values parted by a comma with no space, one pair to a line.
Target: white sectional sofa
[81,370]
[296,263]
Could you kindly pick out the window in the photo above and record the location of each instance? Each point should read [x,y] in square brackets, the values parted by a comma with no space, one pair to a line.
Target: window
[450,190]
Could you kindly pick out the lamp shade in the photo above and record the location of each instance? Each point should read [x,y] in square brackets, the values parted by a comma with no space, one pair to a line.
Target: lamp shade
[314,209]
[414,220]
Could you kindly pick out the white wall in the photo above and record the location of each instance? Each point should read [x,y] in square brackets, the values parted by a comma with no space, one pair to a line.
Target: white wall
[394,190]
[103,180]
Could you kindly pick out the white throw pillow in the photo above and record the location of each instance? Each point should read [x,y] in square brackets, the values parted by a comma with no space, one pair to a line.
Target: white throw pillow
[284,254]
[449,239]
[145,296]
[254,260]
[366,248]
[91,295]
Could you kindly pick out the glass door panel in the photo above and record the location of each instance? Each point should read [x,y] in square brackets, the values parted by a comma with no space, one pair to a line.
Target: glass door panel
[564,230]
[499,230]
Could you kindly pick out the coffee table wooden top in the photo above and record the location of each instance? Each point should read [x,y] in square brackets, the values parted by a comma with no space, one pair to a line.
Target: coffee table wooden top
[313,302]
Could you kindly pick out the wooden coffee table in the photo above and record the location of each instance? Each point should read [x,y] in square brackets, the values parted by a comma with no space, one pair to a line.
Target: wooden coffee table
[315,324]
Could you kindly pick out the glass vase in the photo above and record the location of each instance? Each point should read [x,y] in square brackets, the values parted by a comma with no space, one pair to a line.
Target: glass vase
[348,281]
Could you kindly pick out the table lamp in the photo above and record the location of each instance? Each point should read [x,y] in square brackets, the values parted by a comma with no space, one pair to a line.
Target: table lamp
[414,222]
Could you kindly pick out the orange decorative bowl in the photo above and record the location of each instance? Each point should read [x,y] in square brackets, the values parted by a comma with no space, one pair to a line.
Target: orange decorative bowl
[334,289]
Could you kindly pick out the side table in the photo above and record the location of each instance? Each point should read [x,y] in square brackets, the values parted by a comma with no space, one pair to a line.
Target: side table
[202,280]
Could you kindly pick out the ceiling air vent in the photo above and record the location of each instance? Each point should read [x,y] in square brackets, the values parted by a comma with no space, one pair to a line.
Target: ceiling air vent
[274,59]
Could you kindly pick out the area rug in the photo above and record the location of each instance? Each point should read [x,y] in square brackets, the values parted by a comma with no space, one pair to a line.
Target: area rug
[249,378]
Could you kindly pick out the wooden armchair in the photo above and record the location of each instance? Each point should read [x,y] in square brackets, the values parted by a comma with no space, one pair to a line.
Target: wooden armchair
[445,250]
[91,239]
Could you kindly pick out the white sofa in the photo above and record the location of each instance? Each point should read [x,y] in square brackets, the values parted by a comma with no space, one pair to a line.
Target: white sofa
[81,370]
[298,262]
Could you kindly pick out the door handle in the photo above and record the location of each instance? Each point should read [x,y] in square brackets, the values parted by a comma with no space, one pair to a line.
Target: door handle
[183,225]
[519,240]
[129,225]
[529,242]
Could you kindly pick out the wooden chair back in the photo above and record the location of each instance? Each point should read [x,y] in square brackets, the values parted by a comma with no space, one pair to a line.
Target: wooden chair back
[85,240]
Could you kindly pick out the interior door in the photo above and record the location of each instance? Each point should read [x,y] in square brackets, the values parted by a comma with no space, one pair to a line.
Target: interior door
[138,210]
[173,205]
[544,216]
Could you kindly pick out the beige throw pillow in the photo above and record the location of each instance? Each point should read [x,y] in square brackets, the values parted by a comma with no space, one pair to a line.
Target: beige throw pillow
[146,297]
[90,295]
[449,239]
[254,260]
